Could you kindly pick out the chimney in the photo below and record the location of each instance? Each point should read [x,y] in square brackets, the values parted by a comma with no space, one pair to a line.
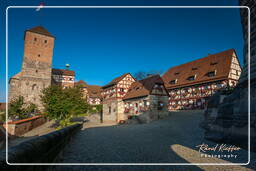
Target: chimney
[67,66]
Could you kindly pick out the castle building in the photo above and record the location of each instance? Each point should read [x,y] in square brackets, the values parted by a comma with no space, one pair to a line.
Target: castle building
[92,93]
[112,93]
[63,77]
[147,97]
[190,84]
[36,69]
[37,73]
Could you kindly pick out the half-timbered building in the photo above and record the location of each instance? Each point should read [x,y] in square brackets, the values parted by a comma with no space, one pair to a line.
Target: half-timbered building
[147,97]
[191,83]
[92,93]
[112,93]
[63,77]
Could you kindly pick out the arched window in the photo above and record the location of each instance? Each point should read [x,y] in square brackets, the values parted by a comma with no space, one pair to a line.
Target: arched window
[33,86]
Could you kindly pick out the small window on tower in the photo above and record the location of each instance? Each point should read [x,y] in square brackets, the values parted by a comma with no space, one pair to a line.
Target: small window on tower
[35,39]
[45,41]
[38,55]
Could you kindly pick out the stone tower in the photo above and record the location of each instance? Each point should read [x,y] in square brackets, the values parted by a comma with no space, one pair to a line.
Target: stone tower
[36,67]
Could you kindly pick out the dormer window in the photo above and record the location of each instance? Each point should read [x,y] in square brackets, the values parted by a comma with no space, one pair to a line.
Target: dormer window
[176,73]
[191,78]
[195,68]
[173,81]
[213,63]
[211,74]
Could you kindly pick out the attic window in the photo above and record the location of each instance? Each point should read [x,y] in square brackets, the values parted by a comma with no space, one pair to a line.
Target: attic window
[173,81]
[213,63]
[195,68]
[191,78]
[211,74]
[176,73]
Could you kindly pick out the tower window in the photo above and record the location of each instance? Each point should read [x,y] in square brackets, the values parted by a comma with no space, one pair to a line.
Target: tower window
[45,41]
[38,55]
[34,86]
[35,39]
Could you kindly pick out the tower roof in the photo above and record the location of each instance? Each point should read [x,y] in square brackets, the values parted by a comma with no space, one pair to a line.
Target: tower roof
[40,30]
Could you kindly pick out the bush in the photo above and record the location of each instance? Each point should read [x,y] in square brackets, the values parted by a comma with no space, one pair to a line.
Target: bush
[17,109]
[95,108]
[63,104]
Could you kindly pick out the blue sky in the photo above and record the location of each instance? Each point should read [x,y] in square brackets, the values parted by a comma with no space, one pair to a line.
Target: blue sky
[101,44]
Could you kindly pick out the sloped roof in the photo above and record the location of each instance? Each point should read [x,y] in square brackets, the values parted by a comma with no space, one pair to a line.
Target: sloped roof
[143,87]
[219,62]
[94,91]
[82,83]
[116,80]
[40,30]
[63,72]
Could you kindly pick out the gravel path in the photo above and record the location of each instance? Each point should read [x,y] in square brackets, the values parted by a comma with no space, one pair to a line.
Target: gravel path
[172,140]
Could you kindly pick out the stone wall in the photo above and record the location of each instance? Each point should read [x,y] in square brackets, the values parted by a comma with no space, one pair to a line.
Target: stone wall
[226,118]
[43,149]
[20,127]
[110,116]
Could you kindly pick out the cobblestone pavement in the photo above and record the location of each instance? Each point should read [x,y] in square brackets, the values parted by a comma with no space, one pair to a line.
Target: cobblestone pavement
[172,140]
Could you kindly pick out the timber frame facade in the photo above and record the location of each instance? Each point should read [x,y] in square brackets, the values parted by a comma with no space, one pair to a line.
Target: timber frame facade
[189,85]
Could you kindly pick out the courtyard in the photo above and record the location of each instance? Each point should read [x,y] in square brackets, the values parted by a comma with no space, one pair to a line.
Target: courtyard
[171,140]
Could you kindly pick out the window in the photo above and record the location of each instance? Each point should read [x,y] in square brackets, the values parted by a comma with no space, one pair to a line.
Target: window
[173,81]
[191,78]
[33,86]
[176,73]
[122,89]
[70,79]
[194,68]
[35,39]
[237,73]
[109,109]
[211,74]
[45,41]
[36,71]
[213,63]
[38,55]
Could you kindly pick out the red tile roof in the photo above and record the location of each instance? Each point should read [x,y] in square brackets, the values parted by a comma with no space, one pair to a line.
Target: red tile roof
[63,72]
[40,30]
[115,81]
[94,91]
[219,62]
[82,83]
[143,87]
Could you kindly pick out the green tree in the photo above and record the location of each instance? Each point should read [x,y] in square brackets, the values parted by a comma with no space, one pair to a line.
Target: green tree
[17,109]
[63,104]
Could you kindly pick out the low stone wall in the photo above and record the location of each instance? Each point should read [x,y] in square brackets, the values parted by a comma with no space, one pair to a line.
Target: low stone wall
[43,149]
[20,127]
